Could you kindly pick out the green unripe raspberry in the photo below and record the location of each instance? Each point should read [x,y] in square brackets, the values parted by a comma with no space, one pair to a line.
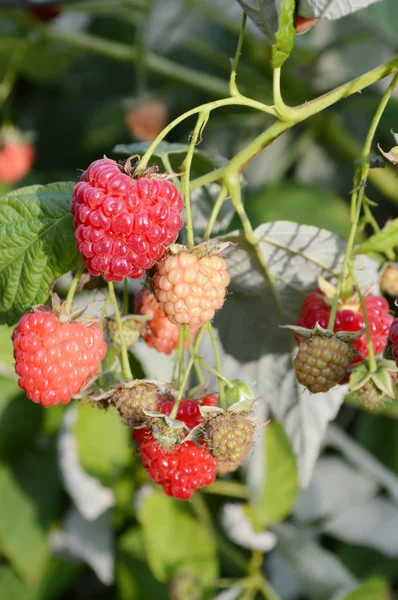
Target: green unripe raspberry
[131,401]
[229,436]
[321,362]
[132,329]
[165,435]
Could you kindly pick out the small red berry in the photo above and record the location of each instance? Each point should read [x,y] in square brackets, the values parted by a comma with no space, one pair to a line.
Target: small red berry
[16,159]
[349,317]
[54,360]
[45,13]
[303,24]
[123,225]
[146,119]
[191,288]
[188,410]
[180,470]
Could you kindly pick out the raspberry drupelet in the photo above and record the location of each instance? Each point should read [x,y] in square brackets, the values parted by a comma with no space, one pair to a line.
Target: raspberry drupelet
[123,225]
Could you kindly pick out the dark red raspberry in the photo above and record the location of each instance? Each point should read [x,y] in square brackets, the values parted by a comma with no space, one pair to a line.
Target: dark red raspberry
[45,13]
[349,318]
[54,360]
[123,225]
[180,470]
[393,336]
[188,410]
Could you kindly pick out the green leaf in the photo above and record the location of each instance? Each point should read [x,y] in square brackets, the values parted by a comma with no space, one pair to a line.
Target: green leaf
[175,540]
[6,349]
[30,491]
[303,203]
[382,241]
[12,588]
[264,14]
[20,418]
[133,578]
[280,489]
[103,443]
[57,576]
[374,589]
[285,35]
[37,244]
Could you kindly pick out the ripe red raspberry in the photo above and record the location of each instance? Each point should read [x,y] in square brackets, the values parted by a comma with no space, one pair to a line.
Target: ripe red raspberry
[16,159]
[54,360]
[123,225]
[190,289]
[188,410]
[180,470]
[321,362]
[393,336]
[229,436]
[349,318]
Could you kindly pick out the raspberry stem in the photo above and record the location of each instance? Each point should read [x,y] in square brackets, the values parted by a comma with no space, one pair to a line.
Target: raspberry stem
[188,338]
[214,213]
[233,90]
[127,374]
[72,289]
[214,372]
[185,180]
[221,397]
[360,178]
[371,354]
[184,380]
[180,355]
[126,296]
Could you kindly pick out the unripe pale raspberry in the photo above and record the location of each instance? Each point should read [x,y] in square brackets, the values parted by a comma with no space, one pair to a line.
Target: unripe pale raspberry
[389,280]
[371,396]
[146,119]
[321,362]
[131,401]
[316,309]
[55,360]
[132,330]
[229,436]
[123,225]
[190,288]
[227,467]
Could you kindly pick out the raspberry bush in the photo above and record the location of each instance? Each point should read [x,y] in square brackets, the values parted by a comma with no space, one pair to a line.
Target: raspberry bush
[185,274]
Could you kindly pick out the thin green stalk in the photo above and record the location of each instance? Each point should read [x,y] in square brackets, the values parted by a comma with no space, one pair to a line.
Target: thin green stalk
[214,372]
[371,354]
[195,138]
[232,180]
[358,194]
[266,589]
[180,356]
[297,115]
[233,90]
[214,213]
[72,289]
[280,107]
[209,106]
[232,489]
[10,76]
[126,296]
[105,307]
[198,370]
[221,391]
[127,374]
[184,380]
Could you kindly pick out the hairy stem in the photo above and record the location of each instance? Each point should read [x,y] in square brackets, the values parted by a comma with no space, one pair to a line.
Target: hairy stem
[214,213]
[233,90]
[72,289]
[195,138]
[127,374]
